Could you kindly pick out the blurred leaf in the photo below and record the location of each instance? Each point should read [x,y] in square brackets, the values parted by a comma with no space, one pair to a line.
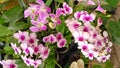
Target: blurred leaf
[60,1]
[21,64]
[97,66]
[19,25]
[48,3]
[61,28]
[8,50]
[12,15]
[50,60]
[4,31]
[108,64]
[112,3]
[114,31]
[22,4]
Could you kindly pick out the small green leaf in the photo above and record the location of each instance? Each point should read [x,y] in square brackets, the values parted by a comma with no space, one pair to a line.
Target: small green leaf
[112,3]
[114,31]
[60,1]
[8,50]
[48,3]
[97,66]
[21,64]
[108,64]
[4,31]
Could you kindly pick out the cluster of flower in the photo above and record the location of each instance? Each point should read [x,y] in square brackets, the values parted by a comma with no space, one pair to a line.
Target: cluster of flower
[30,51]
[61,42]
[92,41]
[40,15]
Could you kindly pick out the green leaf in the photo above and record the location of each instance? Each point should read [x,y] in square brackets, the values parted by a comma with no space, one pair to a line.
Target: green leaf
[50,60]
[108,64]
[21,64]
[18,26]
[4,31]
[112,3]
[12,15]
[60,1]
[114,31]
[61,28]
[8,50]
[48,3]
[97,66]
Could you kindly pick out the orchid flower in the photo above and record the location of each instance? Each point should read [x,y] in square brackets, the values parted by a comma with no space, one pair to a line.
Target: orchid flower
[87,18]
[8,64]
[21,36]
[27,61]
[39,25]
[16,49]
[99,8]
[61,43]
[32,39]
[27,50]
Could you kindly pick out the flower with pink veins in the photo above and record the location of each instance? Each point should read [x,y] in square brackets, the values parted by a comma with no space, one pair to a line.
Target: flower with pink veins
[30,11]
[67,8]
[103,58]
[55,19]
[43,6]
[90,2]
[8,64]
[99,8]
[46,39]
[91,54]
[78,14]
[44,51]
[27,61]
[52,39]
[21,36]
[39,25]
[87,18]
[61,43]
[99,22]
[27,50]
[36,63]
[59,36]
[32,40]
[16,49]
[36,49]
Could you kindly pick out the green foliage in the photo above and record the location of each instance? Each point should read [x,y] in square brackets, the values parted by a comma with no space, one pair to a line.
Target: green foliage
[114,31]
[49,63]
[8,50]
[21,64]
[4,31]
[48,3]
[107,64]
[97,66]
[112,3]
[60,1]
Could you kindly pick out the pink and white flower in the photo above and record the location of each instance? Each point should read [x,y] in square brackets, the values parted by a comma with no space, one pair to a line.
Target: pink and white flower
[39,25]
[16,49]
[21,36]
[8,64]
[27,61]
[27,50]
[99,8]
[90,2]
[59,36]
[32,40]
[61,43]
[87,18]
[36,63]
[44,51]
